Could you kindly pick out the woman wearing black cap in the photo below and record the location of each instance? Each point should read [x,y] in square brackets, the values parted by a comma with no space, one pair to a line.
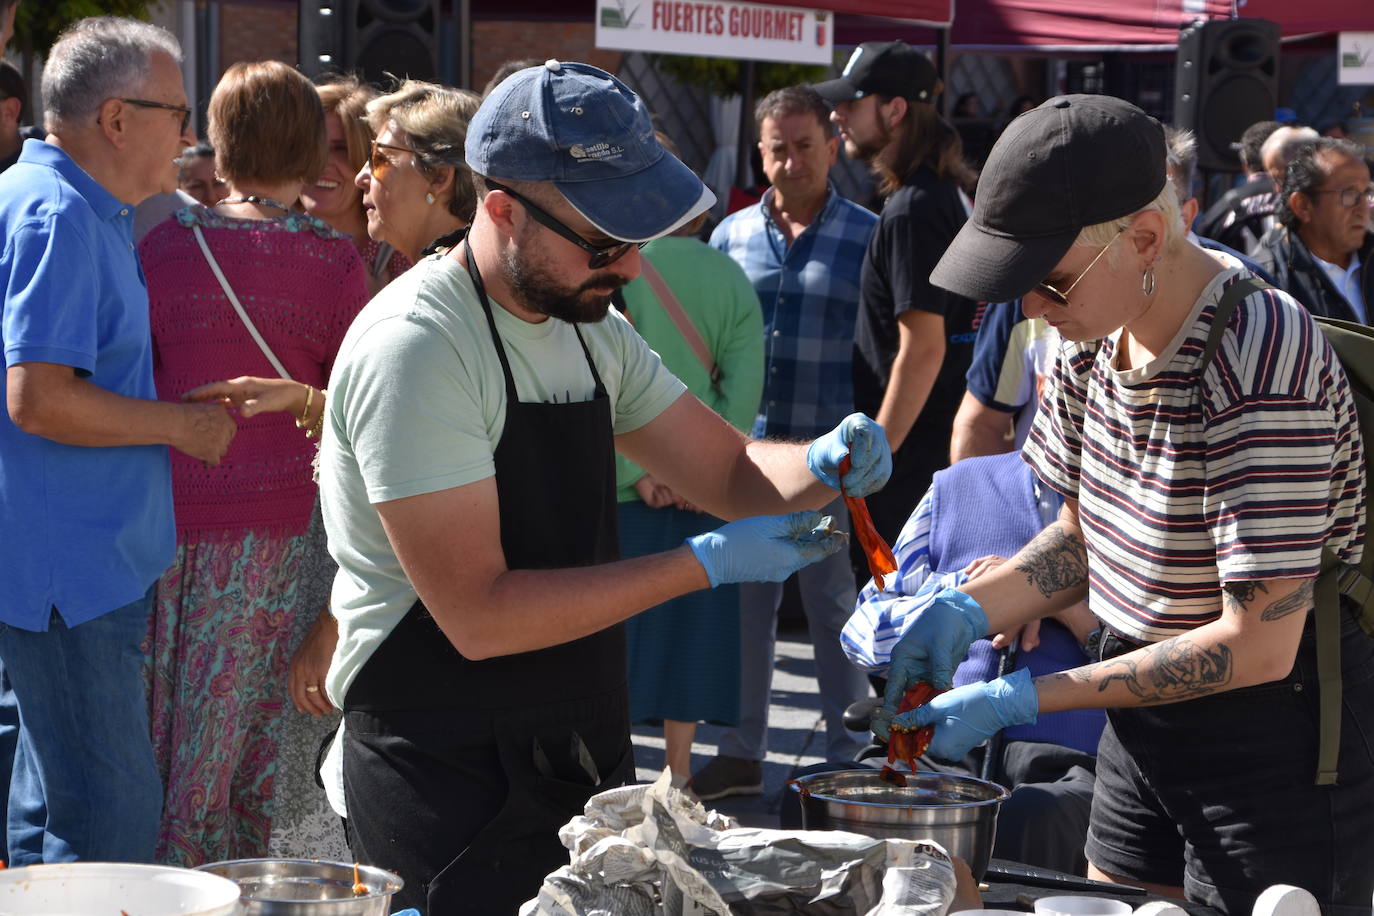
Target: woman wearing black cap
[1202,491]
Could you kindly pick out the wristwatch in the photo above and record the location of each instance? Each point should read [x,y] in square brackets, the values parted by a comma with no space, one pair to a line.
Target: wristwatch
[1092,645]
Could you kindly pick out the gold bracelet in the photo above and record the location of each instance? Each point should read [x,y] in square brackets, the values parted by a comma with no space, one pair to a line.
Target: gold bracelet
[305,413]
[317,428]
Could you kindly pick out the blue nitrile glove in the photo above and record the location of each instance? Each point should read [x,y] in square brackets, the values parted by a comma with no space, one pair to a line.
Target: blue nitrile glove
[870,460]
[766,548]
[966,717]
[932,647]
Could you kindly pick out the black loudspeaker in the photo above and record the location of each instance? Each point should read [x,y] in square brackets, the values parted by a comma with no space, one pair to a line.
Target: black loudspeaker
[372,38]
[1226,79]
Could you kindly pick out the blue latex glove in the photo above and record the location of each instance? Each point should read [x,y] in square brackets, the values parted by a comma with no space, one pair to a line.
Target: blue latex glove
[870,460]
[932,647]
[766,548]
[966,717]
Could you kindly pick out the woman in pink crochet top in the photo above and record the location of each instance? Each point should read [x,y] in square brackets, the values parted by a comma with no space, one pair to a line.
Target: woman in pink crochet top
[218,638]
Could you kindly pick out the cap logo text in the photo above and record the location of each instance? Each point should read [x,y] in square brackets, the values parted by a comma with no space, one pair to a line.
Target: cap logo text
[599,152]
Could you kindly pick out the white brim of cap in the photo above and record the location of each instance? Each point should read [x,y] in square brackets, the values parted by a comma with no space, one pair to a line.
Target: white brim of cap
[641,207]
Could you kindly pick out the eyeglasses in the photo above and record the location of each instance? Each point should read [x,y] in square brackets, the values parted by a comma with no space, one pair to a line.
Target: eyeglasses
[145,103]
[380,163]
[598,255]
[1350,196]
[1062,299]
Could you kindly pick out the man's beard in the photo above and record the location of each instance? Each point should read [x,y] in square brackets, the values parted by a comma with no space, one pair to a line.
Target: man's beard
[538,292]
[869,150]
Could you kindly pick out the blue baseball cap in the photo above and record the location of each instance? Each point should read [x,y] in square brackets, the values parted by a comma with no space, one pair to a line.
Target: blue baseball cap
[587,133]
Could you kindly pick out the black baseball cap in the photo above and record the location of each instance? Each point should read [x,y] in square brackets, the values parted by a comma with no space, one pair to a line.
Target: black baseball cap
[1075,161]
[891,68]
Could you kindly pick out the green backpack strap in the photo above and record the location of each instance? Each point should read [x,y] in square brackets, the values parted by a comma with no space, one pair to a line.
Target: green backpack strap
[1222,316]
[1327,610]
[1327,594]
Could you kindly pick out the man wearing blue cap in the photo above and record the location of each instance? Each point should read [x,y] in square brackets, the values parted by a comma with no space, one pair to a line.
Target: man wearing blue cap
[468,485]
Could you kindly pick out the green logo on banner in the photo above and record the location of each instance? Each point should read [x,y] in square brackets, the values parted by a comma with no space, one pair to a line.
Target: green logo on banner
[617,17]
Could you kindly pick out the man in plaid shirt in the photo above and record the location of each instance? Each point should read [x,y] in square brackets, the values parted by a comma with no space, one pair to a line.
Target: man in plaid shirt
[803,247]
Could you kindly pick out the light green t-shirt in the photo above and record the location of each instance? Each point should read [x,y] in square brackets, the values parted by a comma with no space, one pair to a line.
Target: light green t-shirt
[417,403]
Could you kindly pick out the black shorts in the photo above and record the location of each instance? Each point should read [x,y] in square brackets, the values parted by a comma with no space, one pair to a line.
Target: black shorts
[1217,794]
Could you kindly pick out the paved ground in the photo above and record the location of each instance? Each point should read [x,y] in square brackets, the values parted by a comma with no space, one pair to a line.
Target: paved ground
[796,735]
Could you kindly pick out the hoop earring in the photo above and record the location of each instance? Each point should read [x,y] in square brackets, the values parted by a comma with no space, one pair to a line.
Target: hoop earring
[1147,281]
[429,198]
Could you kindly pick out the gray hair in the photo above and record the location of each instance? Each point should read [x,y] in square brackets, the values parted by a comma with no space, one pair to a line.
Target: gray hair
[96,59]
[1181,144]
[1283,145]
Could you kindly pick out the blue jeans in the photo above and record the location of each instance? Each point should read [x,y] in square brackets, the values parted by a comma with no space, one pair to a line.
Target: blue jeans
[85,786]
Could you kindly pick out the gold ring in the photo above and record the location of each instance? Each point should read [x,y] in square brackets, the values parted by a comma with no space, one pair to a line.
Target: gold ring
[312,688]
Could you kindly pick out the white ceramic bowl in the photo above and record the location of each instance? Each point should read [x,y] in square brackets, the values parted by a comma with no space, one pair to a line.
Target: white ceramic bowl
[1076,905]
[107,888]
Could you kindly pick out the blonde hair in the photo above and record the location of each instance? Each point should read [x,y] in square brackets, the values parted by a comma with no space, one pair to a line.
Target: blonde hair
[348,97]
[435,118]
[1166,202]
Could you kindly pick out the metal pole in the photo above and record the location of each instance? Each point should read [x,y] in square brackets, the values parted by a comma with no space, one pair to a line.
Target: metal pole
[464,43]
[942,68]
[744,171]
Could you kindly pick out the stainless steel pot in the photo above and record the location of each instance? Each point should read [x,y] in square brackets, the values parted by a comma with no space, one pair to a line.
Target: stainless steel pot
[307,887]
[958,812]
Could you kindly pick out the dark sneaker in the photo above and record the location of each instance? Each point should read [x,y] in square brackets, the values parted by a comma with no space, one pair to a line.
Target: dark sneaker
[725,776]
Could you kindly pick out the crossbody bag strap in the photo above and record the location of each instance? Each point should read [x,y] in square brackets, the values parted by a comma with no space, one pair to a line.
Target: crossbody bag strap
[238,307]
[684,324]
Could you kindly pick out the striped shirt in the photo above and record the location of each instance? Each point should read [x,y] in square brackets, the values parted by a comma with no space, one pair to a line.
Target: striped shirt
[1185,482]
[809,292]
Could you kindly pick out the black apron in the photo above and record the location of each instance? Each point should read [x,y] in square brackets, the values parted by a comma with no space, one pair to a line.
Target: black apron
[458,773]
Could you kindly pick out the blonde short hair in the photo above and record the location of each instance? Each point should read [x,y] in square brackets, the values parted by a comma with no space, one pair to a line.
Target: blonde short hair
[1166,202]
[435,118]
[348,97]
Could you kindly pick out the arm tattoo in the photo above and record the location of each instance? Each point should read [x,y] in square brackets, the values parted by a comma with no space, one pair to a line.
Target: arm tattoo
[1242,593]
[1055,561]
[1240,596]
[1176,669]
[1299,600]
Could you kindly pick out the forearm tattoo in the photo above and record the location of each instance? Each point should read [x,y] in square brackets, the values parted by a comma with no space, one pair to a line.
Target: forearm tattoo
[1055,561]
[1243,597]
[1173,670]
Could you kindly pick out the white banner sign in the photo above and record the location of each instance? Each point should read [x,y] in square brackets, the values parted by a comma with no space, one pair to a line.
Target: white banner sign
[1355,66]
[716,28]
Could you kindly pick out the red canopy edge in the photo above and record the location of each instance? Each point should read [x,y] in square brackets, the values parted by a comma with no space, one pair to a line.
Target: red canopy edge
[937,14]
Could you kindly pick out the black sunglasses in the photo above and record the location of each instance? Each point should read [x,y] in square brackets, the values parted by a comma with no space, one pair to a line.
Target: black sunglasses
[145,103]
[598,255]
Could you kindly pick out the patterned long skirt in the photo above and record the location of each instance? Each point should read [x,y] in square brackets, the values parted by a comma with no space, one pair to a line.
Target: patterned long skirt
[217,664]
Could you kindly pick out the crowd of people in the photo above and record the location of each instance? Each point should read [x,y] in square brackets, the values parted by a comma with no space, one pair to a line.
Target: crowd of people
[418,442]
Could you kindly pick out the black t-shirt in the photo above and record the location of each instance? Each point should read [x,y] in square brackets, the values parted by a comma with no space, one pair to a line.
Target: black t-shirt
[917,224]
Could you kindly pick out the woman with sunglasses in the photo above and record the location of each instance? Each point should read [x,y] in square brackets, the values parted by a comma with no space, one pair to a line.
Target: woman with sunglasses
[224,611]
[333,196]
[416,187]
[1204,496]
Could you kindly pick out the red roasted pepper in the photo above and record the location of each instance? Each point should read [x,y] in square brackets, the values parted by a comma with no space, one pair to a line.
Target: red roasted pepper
[881,562]
[909,744]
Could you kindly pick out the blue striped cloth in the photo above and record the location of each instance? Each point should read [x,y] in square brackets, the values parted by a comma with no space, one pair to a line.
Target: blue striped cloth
[809,293]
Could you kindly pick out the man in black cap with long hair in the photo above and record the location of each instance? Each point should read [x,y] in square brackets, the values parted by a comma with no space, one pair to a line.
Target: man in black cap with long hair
[913,341]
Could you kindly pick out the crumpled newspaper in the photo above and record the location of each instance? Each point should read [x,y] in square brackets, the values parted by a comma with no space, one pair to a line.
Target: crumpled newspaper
[650,849]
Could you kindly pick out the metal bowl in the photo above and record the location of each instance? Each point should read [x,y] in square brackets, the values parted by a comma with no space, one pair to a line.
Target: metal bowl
[307,887]
[958,812]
